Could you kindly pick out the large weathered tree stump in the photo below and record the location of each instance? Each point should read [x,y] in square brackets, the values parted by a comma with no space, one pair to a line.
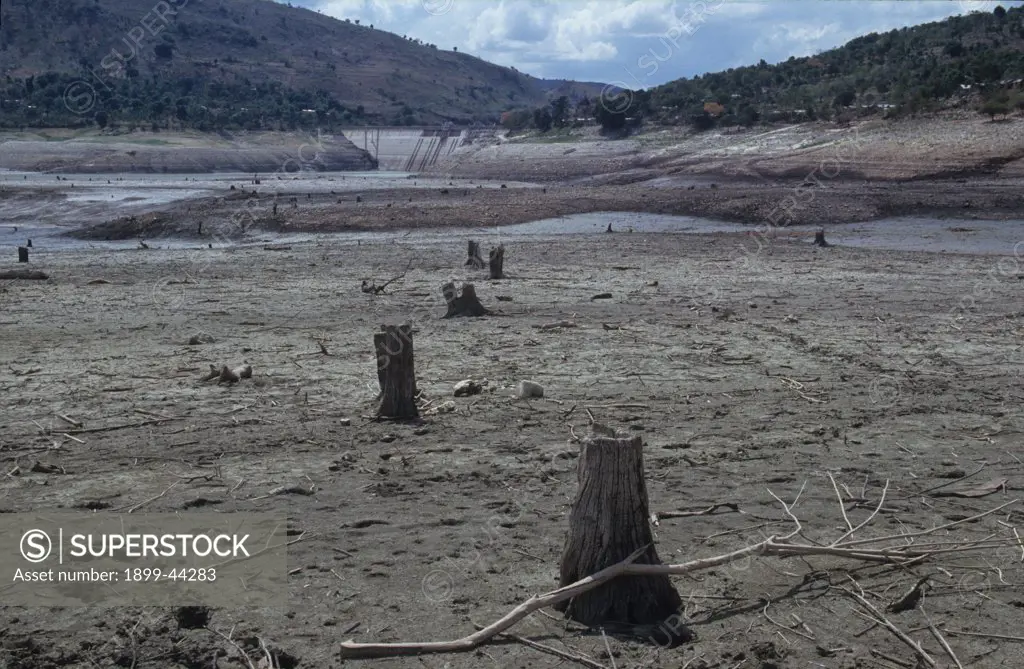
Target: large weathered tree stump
[608,523]
[22,254]
[466,304]
[497,262]
[819,238]
[475,260]
[395,372]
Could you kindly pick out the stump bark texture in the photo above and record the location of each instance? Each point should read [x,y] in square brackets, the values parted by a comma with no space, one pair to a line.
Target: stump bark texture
[466,304]
[608,522]
[819,239]
[396,372]
[497,262]
[474,260]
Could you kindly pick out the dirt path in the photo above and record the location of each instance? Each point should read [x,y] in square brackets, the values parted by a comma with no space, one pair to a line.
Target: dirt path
[747,375]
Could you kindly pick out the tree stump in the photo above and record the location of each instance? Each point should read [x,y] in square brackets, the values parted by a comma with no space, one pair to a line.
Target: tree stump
[29,244]
[22,254]
[609,522]
[395,372]
[497,262]
[819,238]
[466,304]
[475,260]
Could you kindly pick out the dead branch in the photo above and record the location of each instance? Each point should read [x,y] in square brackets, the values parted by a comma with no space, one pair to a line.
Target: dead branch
[155,421]
[886,623]
[772,546]
[544,648]
[352,650]
[732,506]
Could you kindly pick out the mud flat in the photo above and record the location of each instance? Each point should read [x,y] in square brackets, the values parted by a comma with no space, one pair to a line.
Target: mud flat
[744,375]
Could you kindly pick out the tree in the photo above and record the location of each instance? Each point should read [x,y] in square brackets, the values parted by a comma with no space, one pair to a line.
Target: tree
[845,98]
[542,119]
[560,112]
[999,12]
[747,115]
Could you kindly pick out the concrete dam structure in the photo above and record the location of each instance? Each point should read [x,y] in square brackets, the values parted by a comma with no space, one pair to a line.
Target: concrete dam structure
[413,149]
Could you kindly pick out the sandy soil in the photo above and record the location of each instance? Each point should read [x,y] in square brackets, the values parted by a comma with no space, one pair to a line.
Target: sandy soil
[743,376]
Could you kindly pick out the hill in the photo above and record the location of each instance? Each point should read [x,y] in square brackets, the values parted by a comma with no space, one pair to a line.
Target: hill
[238,64]
[920,68]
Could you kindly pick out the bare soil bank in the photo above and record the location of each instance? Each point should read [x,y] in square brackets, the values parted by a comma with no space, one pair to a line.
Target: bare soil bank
[744,377]
[464,204]
[148,153]
[936,147]
[958,167]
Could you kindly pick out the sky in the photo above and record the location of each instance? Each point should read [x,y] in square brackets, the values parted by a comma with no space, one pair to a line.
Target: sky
[640,43]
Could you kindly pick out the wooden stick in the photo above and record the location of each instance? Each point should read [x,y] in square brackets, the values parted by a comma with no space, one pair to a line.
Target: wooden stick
[586,661]
[842,504]
[121,427]
[893,537]
[886,623]
[147,501]
[68,420]
[352,650]
[770,546]
[942,642]
[853,530]
[984,635]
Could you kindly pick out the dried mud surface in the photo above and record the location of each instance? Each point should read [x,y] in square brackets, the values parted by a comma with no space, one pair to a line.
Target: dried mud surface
[746,376]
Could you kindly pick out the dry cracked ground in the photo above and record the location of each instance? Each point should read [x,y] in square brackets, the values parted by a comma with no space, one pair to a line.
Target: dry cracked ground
[748,377]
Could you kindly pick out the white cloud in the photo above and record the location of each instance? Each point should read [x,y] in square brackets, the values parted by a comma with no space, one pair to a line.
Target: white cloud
[606,40]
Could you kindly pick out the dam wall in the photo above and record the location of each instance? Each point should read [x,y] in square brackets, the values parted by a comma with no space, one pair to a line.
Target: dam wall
[414,149]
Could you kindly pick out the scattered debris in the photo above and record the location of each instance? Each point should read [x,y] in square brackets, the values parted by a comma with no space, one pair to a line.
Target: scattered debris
[201,338]
[226,374]
[555,326]
[468,387]
[601,296]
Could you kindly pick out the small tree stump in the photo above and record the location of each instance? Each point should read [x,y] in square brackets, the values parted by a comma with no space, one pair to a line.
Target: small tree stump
[475,260]
[22,254]
[29,244]
[819,238]
[466,304]
[609,522]
[497,262]
[395,372]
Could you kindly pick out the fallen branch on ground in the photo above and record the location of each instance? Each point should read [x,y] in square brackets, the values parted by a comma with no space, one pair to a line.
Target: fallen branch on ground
[903,553]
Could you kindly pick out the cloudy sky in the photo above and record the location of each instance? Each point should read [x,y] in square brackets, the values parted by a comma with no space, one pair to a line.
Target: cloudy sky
[640,43]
